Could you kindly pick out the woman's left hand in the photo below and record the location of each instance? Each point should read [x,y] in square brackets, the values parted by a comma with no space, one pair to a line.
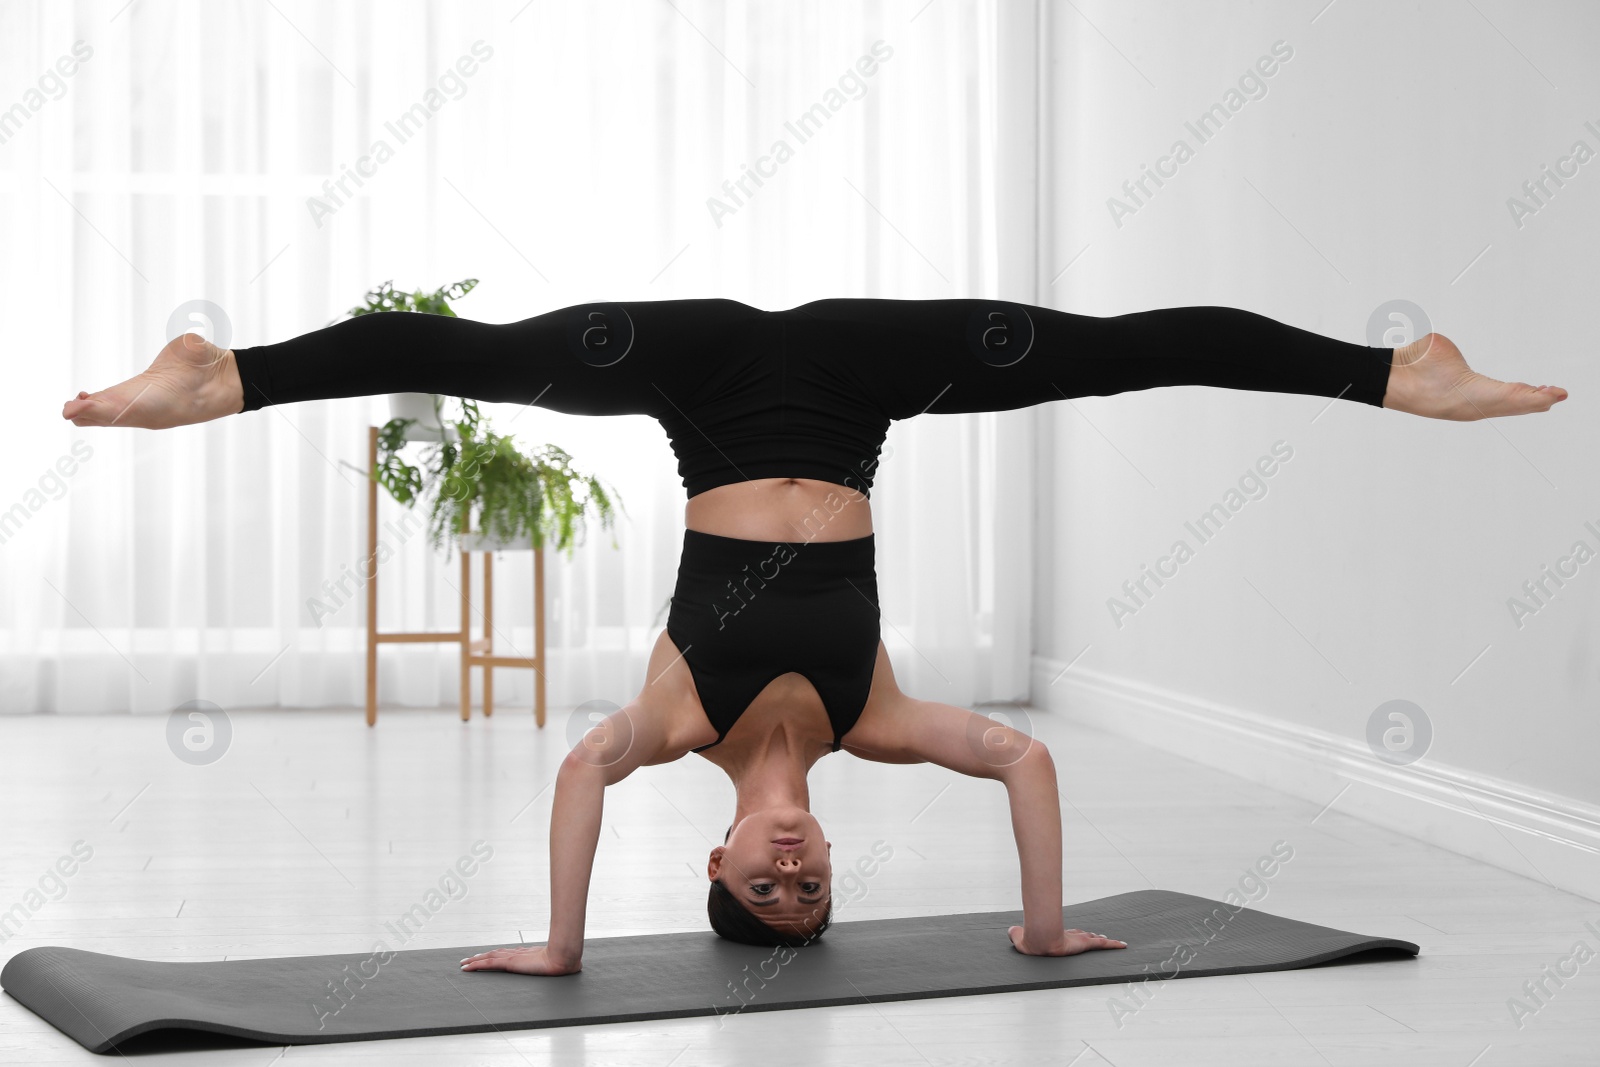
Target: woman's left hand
[524,959]
[1066,943]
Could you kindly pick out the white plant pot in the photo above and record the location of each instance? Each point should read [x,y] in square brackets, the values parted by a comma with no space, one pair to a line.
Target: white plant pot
[419,406]
[477,541]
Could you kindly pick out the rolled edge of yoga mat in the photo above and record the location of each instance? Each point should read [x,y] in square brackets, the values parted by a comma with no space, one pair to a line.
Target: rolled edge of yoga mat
[101,1001]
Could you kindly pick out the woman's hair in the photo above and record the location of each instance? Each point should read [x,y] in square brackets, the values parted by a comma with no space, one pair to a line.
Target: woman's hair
[734,921]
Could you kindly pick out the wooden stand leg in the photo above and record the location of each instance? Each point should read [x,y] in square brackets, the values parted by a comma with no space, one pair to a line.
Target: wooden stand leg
[538,636]
[488,633]
[372,578]
[466,629]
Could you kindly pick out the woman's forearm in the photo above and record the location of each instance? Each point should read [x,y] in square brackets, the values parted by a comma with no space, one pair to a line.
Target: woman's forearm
[1036,824]
[574,836]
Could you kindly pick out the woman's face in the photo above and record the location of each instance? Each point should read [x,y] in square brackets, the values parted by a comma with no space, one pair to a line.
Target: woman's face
[776,864]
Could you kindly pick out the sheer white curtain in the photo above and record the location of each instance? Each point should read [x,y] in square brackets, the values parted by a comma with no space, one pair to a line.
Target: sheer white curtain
[276,160]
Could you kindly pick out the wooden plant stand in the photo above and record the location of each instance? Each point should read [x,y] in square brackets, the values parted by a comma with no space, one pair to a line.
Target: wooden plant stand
[474,652]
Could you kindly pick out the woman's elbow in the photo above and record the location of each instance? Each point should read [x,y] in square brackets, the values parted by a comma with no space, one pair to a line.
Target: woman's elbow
[580,764]
[585,764]
[1035,759]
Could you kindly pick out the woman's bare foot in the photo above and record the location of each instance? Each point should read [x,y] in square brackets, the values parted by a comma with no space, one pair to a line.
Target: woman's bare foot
[192,380]
[1429,377]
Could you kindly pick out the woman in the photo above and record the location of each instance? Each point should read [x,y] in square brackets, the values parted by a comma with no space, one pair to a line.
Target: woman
[771,656]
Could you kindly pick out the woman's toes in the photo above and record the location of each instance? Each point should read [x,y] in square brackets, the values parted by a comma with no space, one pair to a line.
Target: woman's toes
[1520,398]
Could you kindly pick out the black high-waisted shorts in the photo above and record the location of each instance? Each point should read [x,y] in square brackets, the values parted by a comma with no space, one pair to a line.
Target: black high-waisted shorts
[745,612]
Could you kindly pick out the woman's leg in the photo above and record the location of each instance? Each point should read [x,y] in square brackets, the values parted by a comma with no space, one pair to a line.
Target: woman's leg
[905,356]
[948,356]
[589,359]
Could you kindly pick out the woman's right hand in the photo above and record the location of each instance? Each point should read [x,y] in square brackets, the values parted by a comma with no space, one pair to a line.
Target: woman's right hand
[1067,943]
[535,959]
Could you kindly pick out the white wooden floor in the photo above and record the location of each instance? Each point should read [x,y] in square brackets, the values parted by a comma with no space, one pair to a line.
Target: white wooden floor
[312,830]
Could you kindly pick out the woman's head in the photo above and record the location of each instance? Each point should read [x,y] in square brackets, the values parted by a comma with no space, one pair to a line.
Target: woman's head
[771,880]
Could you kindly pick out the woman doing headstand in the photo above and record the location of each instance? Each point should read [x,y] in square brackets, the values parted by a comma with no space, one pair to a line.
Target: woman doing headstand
[771,655]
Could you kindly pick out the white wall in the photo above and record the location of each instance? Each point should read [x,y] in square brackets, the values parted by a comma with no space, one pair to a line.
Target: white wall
[1380,562]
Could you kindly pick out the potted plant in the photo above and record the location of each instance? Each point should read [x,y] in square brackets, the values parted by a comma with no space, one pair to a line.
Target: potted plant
[520,500]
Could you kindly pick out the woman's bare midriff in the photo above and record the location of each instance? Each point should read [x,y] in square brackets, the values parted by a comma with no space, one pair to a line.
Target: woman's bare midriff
[787,509]
[762,509]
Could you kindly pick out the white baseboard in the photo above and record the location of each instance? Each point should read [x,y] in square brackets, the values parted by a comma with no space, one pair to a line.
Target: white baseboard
[1548,838]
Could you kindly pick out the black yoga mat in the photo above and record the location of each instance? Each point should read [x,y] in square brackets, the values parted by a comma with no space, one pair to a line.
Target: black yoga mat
[101,1001]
